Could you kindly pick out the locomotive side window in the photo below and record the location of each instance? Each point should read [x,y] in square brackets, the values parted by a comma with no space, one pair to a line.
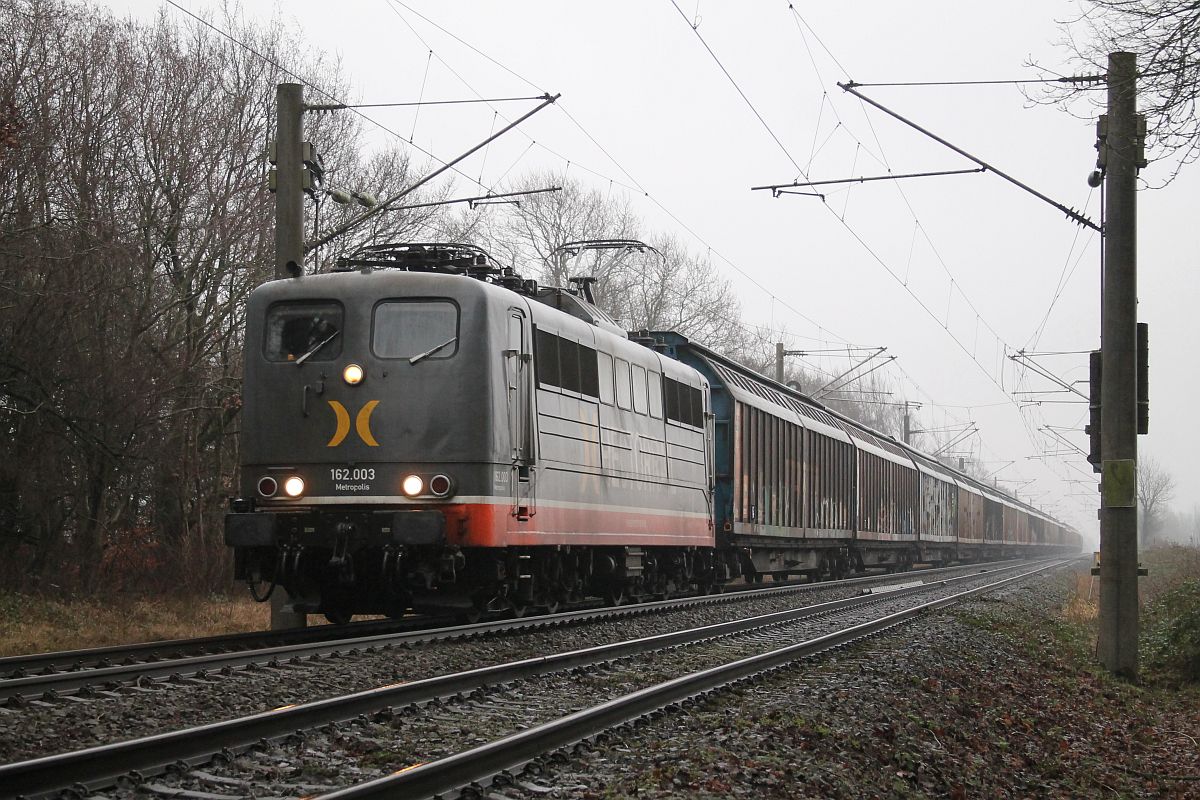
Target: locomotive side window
[671,395]
[605,367]
[656,397]
[623,384]
[546,357]
[640,404]
[568,365]
[589,374]
[685,403]
[303,331]
[415,329]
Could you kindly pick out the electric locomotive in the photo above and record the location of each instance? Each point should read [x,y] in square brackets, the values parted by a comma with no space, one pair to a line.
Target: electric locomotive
[423,429]
[401,450]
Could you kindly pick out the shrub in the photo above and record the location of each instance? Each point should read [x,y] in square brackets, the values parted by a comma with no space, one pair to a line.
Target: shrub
[1171,638]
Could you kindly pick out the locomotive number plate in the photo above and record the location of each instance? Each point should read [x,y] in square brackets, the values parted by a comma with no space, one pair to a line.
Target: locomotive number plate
[351,479]
[352,473]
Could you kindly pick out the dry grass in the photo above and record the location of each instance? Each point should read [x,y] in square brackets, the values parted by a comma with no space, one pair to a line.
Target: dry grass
[30,624]
[1083,600]
[1167,566]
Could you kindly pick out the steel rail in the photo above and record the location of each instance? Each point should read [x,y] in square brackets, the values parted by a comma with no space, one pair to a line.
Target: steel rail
[14,691]
[92,657]
[102,766]
[479,765]
[173,648]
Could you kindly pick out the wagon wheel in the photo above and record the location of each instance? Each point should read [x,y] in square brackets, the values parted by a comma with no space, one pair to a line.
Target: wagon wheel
[614,595]
[254,584]
[338,616]
[550,603]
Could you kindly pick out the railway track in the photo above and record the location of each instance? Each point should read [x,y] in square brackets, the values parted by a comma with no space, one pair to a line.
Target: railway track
[24,666]
[98,672]
[552,698]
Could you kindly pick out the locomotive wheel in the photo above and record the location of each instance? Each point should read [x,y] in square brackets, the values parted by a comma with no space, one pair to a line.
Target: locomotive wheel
[338,617]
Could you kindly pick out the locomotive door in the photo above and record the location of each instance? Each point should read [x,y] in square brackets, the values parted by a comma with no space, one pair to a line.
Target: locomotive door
[519,378]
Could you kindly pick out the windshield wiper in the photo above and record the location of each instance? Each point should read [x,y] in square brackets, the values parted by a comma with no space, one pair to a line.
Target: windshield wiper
[433,350]
[315,348]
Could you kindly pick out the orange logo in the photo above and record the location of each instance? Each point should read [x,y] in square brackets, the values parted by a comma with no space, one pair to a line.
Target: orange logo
[362,423]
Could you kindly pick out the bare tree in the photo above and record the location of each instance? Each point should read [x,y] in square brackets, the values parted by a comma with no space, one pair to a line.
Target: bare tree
[671,289]
[1155,488]
[1164,35]
[664,288]
[134,221]
[528,235]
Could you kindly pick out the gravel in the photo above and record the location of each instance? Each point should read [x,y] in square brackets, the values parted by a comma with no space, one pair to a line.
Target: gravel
[384,742]
[993,698]
[979,701]
[75,723]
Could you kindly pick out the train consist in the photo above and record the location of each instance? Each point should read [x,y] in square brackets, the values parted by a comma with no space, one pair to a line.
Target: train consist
[423,429]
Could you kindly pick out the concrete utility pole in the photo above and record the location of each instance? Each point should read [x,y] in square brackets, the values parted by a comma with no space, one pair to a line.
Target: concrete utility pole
[289,177]
[289,245]
[779,355]
[1117,644]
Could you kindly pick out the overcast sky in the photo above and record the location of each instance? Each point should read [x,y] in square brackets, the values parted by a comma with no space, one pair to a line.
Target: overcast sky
[945,272]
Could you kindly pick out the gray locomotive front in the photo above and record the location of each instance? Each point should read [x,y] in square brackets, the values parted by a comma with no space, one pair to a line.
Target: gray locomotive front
[369,404]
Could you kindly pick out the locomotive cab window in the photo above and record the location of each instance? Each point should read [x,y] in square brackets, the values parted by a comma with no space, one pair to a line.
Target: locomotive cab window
[303,331]
[415,329]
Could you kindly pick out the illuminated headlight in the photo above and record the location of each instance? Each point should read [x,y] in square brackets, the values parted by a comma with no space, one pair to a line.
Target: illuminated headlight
[293,486]
[440,485]
[412,485]
[267,486]
[353,374]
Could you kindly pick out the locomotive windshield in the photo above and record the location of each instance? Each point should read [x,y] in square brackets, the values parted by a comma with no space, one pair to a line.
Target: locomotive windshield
[415,329]
[304,331]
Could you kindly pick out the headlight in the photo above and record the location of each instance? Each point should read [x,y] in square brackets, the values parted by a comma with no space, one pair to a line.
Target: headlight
[267,486]
[294,486]
[412,485]
[353,374]
[440,485]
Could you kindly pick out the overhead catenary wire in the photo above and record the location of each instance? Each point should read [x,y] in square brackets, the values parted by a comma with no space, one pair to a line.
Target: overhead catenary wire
[341,106]
[798,19]
[387,205]
[1010,82]
[850,86]
[866,179]
[311,84]
[354,223]
[841,218]
[801,25]
[633,185]
[647,194]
